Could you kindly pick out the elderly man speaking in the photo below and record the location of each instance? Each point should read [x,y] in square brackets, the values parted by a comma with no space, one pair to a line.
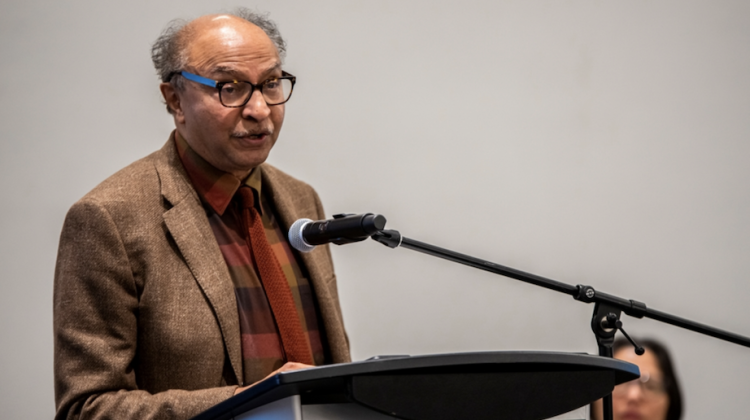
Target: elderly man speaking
[175,287]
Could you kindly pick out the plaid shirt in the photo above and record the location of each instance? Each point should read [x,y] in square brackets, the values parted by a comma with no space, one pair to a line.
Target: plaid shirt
[262,351]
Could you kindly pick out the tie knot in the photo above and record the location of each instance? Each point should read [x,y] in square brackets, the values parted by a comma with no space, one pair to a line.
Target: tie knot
[247,197]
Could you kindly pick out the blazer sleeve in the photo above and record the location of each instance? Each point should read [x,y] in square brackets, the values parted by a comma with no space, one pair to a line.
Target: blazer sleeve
[96,329]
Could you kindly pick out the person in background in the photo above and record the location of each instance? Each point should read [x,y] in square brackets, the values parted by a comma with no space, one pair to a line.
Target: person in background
[655,395]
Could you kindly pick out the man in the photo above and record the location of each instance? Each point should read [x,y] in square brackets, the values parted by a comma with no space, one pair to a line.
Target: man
[175,287]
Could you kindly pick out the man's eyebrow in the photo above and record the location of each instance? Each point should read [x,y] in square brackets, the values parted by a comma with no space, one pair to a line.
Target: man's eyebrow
[234,72]
[224,69]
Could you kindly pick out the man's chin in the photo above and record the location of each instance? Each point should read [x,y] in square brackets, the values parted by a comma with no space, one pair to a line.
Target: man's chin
[244,166]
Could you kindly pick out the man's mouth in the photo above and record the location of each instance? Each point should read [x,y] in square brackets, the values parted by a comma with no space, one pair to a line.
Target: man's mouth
[252,136]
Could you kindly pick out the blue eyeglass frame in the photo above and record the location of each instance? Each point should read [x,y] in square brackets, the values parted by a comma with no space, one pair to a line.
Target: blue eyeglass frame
[218,85]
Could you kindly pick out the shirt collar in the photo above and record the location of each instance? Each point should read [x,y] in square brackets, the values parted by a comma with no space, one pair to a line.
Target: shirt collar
[214,186]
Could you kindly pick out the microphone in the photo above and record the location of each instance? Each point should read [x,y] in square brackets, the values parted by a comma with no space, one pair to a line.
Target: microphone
[304,234]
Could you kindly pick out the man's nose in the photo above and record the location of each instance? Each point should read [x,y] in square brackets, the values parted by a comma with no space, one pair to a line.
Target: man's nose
[256,108]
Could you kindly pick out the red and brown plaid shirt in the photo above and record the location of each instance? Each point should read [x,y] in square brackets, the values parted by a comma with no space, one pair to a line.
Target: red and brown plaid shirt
[262,351]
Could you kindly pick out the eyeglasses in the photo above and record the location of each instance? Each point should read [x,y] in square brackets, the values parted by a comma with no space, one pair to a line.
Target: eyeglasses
[237,93]
[649,387]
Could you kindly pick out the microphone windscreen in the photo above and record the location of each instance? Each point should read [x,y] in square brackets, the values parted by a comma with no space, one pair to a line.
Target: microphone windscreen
[296,240]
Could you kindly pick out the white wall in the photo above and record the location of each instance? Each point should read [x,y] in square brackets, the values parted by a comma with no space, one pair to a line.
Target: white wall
[595,142]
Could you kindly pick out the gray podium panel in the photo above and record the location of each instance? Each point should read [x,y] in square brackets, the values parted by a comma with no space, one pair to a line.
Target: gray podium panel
[290,408]
[341,411]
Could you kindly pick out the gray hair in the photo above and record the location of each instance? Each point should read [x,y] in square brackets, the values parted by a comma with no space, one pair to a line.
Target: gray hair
[169,51]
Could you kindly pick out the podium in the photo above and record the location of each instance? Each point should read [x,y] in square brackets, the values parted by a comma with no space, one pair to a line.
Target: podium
[478,386]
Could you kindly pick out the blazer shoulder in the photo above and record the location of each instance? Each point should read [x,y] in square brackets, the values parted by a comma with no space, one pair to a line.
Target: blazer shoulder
[130,183]
[130,195]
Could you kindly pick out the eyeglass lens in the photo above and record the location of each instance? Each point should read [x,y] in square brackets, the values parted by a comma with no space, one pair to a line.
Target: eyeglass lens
[274,91]
[648,386]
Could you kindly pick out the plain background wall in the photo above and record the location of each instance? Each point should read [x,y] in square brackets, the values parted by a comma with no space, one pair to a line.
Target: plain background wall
[593,142]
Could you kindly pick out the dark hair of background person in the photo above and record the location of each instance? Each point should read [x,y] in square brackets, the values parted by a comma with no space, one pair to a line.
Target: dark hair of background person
[671,385]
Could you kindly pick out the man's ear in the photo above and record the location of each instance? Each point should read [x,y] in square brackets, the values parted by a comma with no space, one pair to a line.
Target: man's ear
[172,98]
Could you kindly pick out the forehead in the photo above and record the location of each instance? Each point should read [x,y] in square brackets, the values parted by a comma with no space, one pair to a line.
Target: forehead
[647,363]
[222,41]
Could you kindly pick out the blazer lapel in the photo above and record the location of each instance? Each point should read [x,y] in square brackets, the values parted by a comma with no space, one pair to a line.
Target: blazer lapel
[291,205]
[289,208]
[188,225]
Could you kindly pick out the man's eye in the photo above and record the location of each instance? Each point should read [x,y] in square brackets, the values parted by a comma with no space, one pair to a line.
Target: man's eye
[230,89]
[272,84]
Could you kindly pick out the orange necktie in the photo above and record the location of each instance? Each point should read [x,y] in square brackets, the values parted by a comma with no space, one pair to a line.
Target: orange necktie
[278,292]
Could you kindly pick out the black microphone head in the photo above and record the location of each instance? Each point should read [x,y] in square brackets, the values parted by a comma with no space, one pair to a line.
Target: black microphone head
[296,240]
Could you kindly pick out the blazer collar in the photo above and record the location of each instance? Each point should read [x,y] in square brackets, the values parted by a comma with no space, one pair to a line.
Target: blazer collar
[187,223]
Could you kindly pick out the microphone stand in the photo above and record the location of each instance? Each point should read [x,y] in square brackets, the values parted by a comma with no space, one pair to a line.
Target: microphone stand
[607,308]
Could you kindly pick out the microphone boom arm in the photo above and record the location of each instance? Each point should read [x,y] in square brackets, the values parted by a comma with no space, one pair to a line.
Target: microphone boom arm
[607,308]
[586,294]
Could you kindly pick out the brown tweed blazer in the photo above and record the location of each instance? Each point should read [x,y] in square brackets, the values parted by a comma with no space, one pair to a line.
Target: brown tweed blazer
[145,316]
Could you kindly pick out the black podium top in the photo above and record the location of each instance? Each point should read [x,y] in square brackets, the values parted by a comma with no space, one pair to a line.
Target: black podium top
[488,385]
